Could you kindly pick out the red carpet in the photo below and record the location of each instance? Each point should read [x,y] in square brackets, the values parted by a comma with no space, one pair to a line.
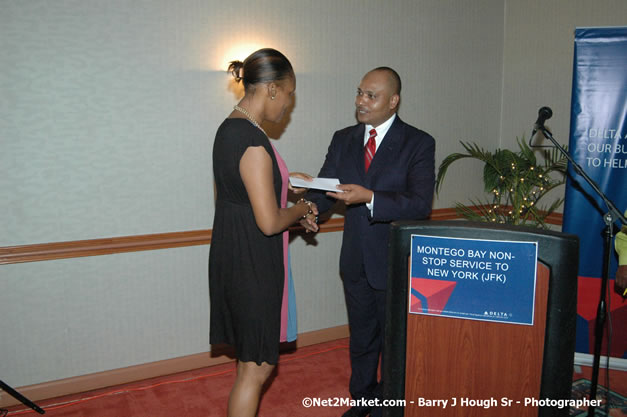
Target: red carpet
[319,371]
[315,371]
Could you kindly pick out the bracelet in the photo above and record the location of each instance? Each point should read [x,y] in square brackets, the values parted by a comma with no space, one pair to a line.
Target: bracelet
[309,203]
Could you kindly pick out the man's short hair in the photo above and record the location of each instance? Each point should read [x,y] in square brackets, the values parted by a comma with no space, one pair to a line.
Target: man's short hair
[394,78]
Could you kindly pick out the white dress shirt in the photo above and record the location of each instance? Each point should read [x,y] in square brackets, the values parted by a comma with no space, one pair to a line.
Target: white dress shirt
[382,129]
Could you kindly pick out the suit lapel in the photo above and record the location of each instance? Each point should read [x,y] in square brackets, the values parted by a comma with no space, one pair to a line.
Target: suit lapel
[386,154]
[357,149]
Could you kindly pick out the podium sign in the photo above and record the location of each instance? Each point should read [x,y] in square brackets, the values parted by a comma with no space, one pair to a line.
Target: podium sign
[478,279]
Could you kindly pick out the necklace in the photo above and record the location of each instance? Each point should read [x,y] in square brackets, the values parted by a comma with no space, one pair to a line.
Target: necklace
[249,117]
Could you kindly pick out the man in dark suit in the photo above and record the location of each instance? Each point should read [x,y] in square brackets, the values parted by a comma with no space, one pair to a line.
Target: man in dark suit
[387,173]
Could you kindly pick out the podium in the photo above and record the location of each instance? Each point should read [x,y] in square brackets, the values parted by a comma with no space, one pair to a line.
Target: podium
[487,368]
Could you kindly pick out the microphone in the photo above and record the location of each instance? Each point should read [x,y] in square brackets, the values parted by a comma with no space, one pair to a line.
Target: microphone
[544,114]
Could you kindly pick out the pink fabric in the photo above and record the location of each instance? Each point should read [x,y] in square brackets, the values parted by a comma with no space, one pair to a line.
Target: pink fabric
[284,179]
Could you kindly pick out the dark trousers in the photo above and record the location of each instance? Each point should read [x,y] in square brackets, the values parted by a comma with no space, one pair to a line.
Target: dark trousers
[366,321]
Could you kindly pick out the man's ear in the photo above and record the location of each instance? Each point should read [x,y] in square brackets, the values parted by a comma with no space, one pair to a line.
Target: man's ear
[394,100]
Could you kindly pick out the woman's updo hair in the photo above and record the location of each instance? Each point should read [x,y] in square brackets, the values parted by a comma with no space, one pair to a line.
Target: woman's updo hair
[263,66]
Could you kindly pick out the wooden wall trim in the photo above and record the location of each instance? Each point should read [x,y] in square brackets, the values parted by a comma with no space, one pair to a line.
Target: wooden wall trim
[108,246]
[105,379]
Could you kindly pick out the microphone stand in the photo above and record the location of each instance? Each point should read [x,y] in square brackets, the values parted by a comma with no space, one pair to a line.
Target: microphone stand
[21,398]
[609,218]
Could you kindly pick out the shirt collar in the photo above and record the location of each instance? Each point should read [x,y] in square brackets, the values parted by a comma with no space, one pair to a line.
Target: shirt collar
[382,129]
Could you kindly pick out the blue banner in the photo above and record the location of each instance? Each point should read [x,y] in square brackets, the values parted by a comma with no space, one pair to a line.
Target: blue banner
[473,279]
[598,143]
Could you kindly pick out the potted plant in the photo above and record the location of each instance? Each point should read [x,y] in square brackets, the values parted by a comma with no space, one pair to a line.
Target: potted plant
[515,181]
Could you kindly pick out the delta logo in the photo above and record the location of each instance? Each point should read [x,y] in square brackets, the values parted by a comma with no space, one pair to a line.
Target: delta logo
[496,315]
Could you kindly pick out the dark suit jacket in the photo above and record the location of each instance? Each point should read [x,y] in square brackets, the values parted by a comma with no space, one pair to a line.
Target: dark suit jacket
[402,176]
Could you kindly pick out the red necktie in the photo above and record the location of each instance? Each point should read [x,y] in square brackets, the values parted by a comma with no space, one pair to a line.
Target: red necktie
[371,148]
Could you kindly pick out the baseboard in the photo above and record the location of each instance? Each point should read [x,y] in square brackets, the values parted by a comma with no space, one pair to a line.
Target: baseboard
[585,359]
[105,379]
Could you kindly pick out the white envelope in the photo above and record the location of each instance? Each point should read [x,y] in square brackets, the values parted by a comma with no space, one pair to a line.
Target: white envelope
[327,184]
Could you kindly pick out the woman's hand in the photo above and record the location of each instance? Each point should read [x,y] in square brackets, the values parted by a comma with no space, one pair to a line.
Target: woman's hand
[310,220]
[310,223]
[301,175]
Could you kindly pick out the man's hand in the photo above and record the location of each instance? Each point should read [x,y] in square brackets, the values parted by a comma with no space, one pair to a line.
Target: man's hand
[353,194]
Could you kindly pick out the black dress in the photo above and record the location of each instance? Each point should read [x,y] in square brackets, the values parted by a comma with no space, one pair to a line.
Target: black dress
[246,267]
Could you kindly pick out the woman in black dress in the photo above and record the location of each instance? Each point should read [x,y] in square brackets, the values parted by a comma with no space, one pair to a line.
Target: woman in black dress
[247,261]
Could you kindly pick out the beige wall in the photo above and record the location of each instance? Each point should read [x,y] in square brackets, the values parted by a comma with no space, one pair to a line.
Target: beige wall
[538,59]
[107,116]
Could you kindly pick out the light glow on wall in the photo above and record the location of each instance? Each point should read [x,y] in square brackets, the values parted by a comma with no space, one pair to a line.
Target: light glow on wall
[237,52]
